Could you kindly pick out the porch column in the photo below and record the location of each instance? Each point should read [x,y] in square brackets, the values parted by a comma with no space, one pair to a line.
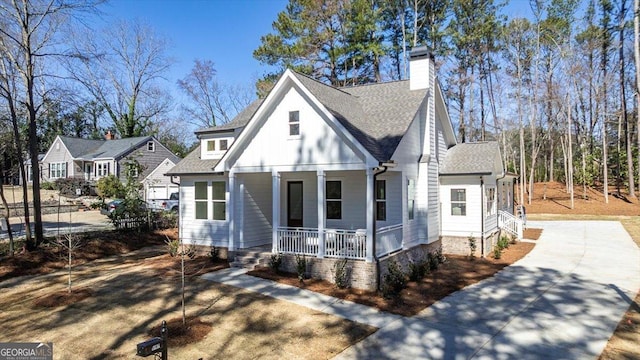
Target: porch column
[275,216]
[230,208]
[370,216]
[239,221]
[321,212]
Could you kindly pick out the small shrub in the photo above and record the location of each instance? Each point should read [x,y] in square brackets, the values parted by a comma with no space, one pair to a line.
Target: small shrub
[394,280]
[172,246]
[301,267]
[440,256]
[47,185]
[472,246]
[497,252]
[275,262]
[110,187]
[433,261]
[68,186]
[341,274]
[214,254]
[191,251]
[503,242]
[417,270]
[97,205]
[165,219]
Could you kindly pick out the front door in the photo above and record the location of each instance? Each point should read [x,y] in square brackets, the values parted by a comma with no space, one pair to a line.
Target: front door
[87,171]
[294,204]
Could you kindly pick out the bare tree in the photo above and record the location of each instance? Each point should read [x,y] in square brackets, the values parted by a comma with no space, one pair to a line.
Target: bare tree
[68,245]
[211,103]
[121,69]
[28,37]
[636,51]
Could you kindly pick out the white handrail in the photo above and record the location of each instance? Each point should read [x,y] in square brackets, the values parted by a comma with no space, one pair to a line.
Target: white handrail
[510,223]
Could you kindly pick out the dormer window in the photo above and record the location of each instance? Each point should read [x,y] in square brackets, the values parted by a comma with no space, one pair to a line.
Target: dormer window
[151,146]
[211,145]
[294,123]
[223,145]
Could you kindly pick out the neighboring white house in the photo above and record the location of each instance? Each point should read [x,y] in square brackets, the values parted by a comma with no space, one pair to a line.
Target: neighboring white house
[331,173]
[157,185]
[70,157]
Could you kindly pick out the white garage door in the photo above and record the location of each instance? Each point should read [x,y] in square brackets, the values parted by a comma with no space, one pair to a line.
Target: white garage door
[160,191]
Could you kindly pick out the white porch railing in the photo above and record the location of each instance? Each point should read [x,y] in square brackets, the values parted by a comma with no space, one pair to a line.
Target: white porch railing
[510,224]
[350,244]
[388,239]
[298,241]
[338,243]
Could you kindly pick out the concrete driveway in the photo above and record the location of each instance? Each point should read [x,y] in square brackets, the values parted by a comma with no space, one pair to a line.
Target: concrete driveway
[562,301]
[53,224]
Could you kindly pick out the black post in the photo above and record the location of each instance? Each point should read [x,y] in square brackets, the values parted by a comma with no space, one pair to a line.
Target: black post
[163,335]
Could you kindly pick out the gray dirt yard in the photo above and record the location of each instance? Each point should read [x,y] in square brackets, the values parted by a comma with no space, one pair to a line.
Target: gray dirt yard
[132,293]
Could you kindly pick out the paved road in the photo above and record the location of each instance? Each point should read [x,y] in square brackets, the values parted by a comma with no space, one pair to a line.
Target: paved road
[562,301]
[80,221]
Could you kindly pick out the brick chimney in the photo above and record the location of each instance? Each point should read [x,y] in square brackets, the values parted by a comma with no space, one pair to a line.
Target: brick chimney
[421,69]
[109,135]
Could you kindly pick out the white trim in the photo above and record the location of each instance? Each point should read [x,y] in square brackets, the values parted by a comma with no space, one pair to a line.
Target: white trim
[321,211]
[153,172]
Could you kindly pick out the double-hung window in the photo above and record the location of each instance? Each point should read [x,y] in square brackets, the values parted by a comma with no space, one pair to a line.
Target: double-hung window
[381,200]
[334,199]
[58,170]
[201,200]
[102,169]
[294,123]
[490,194]
[458,202]
[219,200]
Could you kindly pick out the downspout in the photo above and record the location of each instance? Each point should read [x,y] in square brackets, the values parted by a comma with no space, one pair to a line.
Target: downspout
[482,216]
[375,218]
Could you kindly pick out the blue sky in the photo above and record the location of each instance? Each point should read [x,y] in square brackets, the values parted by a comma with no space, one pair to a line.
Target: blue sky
[224,31]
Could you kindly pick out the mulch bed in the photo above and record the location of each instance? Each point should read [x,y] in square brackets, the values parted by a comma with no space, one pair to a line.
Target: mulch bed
[95,245]
[63,297]
[167,266]
[456,273]
[531,233]
[179,334]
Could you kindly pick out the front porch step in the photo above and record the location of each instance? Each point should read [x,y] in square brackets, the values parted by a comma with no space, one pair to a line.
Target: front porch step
[249,259]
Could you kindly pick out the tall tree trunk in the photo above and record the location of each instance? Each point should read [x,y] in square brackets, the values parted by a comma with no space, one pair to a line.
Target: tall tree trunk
[6,215]
[636,51]
[570,160]
[623,101]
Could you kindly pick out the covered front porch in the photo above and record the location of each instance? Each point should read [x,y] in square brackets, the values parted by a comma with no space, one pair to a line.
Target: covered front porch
[322,213]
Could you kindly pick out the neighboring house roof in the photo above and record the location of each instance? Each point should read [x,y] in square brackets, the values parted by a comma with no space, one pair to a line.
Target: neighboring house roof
[193,165]
[78,147]
[481,158]
[115,148]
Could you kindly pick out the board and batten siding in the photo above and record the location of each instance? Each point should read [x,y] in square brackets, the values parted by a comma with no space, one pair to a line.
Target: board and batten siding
[201,232]
[317,144]
[462,225]
[255,210]
[354,192]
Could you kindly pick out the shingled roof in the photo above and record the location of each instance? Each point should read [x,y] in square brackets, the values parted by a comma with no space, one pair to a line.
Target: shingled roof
[192,165]
[471,158]
[377,115]
[98,149]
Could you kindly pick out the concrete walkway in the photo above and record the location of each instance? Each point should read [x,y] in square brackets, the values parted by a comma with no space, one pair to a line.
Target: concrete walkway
[313,300]
[562,301]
